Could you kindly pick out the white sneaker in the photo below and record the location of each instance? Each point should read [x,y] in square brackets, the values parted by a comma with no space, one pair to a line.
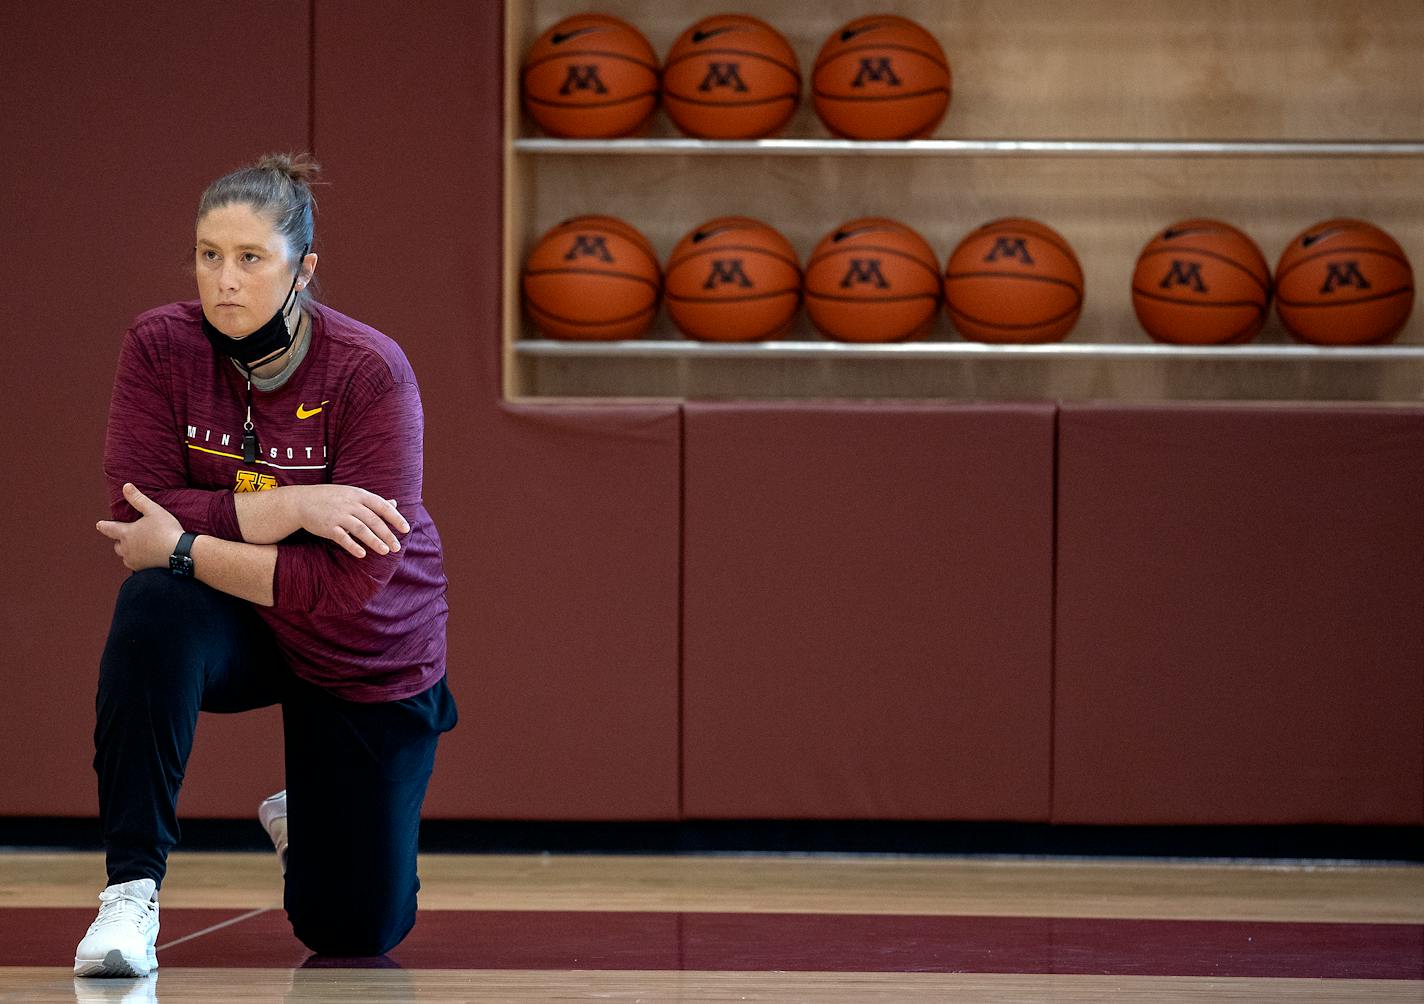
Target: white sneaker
[272,814]
[121,940]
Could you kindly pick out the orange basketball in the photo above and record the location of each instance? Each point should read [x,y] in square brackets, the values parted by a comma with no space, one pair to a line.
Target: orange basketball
[1013,280]
[872,280]
[1344,282]
[593,278]
[590,75]
[1201,282]
[881,77]
[733,279]
[731,77]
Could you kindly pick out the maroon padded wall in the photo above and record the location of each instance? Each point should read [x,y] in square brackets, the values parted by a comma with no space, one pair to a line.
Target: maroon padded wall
[1239,629]
[560,524]
[104,158]
[867,611]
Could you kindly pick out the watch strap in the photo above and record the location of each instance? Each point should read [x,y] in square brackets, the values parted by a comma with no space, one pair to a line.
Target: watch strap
[180,562]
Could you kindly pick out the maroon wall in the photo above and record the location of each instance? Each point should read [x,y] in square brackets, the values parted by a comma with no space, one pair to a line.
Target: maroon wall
[822,610]
[868,611]
[104,158]
[1239,634]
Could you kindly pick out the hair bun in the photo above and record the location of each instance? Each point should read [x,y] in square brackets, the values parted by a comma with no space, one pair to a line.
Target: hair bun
[301,168]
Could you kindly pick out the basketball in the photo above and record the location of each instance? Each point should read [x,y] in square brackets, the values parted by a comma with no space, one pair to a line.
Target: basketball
[1201,282]
[733,279]
[872,280]
[1013,280]
[731,77]
[1344,282]
[881,77]
[592,278]
[589,76]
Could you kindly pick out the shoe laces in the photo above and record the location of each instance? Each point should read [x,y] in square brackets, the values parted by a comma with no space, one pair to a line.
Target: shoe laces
[118,905]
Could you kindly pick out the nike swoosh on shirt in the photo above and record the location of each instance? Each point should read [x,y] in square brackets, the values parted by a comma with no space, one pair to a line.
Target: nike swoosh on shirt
[304,412]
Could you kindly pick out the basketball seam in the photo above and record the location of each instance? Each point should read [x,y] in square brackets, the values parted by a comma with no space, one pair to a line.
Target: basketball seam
[1014,327]
[741,298]
[1265,286]
[534,308]
[1346,303]
[821,96]
[1009,275]
[653,67]
[941,61]
[795,71]
[528,273]
[1345,250]
[591,104]
[838,298]
[788,96]
[1139,291]
[689,255]
[934,271]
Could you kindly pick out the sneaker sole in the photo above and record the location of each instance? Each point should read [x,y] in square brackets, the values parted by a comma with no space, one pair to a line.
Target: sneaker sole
[115,964]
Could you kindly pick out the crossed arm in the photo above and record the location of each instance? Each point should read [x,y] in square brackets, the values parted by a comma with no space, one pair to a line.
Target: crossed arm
[351,517]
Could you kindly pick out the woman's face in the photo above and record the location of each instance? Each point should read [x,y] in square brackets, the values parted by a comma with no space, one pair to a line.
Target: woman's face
[243,269]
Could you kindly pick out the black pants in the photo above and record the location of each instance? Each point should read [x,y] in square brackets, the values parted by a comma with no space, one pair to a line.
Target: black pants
[356,773]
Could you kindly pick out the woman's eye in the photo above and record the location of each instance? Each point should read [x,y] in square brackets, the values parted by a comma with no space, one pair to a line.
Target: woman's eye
[209,255]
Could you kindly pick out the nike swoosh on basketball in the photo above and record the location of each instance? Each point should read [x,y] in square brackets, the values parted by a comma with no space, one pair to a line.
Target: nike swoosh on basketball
[702,235]
[702,36]
[1310,239]
[843,234]
[1170,235]
[850,33]
[560,37]
[304,412]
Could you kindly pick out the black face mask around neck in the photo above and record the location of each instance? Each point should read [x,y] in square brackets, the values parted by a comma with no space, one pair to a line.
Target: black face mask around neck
[272,339]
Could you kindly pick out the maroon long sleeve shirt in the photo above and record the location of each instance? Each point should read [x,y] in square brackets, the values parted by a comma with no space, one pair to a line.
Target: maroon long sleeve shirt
[368,629]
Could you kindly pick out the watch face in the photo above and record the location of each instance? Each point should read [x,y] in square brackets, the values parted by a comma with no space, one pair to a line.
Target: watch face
[180,565]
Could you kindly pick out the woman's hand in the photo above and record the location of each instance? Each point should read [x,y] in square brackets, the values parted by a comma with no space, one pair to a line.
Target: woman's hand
[349,516]
[148,541]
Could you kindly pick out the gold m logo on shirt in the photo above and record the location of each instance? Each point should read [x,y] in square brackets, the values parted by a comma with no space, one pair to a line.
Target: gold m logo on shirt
[251,481]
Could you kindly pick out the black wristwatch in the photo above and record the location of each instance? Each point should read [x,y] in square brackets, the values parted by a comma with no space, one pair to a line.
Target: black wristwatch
[180,562]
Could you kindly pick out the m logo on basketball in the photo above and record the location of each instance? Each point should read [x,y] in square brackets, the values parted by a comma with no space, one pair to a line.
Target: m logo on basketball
[876,71]
[583,78]
[726,271]
[864,270]
[1009,247]
[723,75]
[589,246]
[1343,273]
[1184,273]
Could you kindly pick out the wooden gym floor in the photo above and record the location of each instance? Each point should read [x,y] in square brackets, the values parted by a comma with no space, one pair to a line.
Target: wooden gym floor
[820,928]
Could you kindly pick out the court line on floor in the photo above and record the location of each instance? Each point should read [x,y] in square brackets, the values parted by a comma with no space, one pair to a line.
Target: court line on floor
[213,927]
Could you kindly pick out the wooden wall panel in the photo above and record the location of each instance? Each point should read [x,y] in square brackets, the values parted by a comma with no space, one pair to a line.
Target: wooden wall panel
[1156,70]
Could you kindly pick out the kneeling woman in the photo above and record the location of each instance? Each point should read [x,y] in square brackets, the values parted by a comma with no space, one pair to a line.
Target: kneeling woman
[264,462]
